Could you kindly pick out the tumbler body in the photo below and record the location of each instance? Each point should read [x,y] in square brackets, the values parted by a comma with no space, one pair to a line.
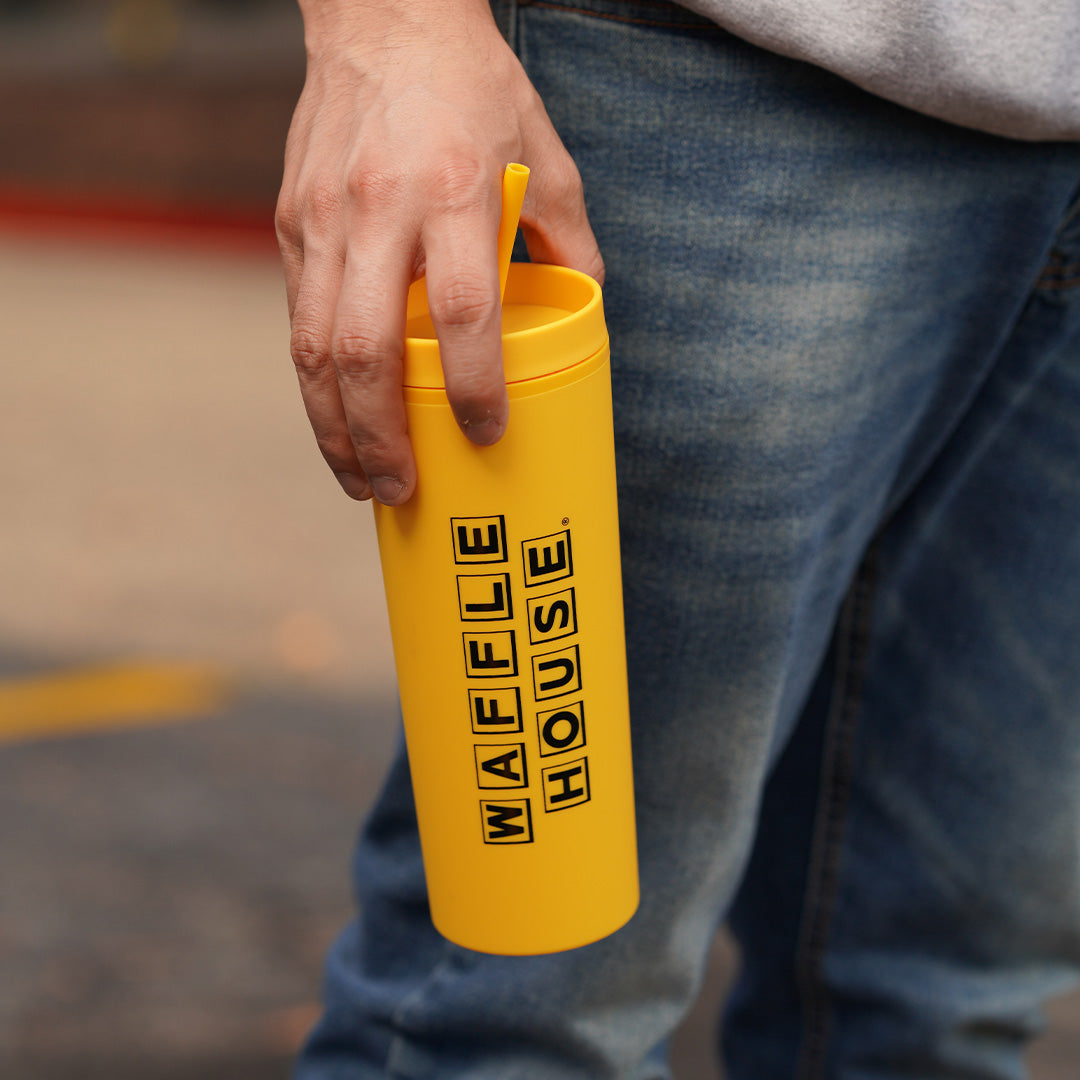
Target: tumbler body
[503,586]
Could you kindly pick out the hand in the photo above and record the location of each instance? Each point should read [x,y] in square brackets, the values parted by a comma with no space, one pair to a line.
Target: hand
[393,166]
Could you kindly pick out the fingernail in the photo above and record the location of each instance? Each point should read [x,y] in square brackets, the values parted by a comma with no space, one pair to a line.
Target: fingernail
[485,432]
[388,489]
[356,487]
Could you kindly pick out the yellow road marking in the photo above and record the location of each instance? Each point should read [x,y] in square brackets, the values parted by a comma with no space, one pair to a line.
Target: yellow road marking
[106,697]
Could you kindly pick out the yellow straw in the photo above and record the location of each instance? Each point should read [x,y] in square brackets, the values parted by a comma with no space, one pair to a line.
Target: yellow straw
[515,179]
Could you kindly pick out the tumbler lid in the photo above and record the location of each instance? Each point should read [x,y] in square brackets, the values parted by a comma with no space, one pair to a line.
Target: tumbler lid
[552,319]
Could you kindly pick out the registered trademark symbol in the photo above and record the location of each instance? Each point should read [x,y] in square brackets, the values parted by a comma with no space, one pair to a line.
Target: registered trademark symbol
[566,521]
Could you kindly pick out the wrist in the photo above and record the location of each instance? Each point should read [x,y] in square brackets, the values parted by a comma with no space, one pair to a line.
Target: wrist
[371,24]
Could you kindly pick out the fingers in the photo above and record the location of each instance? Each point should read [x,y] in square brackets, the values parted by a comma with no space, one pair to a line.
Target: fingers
[393,167]
[316,292]
[463,295]
[347,346]
[367,346]
[314,267]
[348,297]
[350,252]
[554,220]
[348,317]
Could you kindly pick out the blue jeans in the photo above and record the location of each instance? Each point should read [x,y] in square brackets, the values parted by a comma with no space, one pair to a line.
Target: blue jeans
[846,359]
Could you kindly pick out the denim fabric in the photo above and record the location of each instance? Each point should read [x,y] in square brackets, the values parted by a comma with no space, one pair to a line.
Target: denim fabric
[846,362]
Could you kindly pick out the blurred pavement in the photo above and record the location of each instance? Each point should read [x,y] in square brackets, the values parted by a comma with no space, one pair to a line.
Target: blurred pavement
[169,887]
[169,495]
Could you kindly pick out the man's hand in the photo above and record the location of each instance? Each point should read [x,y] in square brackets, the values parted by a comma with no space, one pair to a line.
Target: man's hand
[410,112]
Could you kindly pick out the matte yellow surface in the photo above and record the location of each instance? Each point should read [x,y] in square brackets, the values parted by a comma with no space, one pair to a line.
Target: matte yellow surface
[555,317]
[525,800]
[515,317]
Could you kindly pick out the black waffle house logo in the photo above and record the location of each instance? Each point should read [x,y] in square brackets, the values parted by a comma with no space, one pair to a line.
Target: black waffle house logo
[522,657]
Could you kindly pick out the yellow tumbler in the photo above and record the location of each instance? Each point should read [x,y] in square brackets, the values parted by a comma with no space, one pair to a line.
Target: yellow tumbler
[503,587]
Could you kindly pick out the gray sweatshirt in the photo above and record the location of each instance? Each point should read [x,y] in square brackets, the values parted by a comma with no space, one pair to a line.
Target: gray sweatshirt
[1011,67]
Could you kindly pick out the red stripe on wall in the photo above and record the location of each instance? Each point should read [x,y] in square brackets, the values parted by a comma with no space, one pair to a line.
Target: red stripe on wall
[117,218]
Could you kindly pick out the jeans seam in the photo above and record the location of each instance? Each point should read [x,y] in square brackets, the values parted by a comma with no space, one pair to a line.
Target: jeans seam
[1058,274]
[669,24]
[1058,284]
[1072,211]
[853,633]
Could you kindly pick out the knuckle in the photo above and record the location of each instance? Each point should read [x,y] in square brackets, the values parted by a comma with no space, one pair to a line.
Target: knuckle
[287,220]
[310,351]
[461,184]
[373,187]
[464,302]
[360,352]
[321,204]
